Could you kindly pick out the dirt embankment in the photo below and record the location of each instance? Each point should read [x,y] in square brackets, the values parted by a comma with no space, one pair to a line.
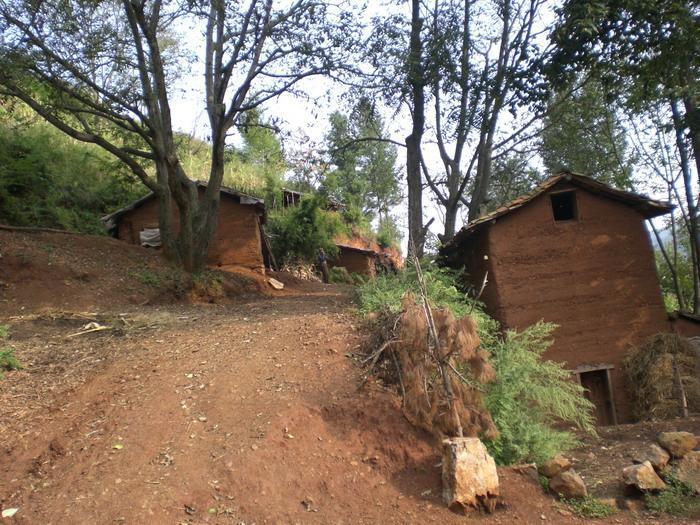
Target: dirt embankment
[357,240]
[243,412]
[55,271]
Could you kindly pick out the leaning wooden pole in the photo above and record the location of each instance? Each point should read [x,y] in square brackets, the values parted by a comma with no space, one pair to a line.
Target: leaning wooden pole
[436,353]
[680,389]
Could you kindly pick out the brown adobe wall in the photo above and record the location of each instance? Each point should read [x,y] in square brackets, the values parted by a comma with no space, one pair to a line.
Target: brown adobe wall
[358,240]
[475,264]
[594,277]
[235,243]
[685,327]
[354,262]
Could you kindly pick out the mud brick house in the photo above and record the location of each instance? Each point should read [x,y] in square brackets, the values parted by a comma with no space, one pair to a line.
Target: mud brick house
[239,239]
[356,260]
[574,252]
[359,254]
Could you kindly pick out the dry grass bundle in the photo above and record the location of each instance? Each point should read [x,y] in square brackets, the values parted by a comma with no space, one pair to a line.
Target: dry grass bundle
[427,400]
[650,373]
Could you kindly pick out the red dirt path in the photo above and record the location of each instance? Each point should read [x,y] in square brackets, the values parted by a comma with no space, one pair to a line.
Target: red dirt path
[240,413]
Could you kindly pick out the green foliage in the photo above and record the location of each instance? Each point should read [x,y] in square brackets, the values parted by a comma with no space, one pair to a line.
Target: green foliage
[590,507]
[683,265]
[208,284]
[8,361]
[388,233]
[386,291]
[365,177]
[359,279]
[340,275]
[582,133]
[50,180]
[646,49]
[512,176]
[149,278]
[208,278]
[297,234]
[529,396]
[677,498]
[256,167]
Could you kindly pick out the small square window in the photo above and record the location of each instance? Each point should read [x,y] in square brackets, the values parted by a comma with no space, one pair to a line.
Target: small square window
[564,206]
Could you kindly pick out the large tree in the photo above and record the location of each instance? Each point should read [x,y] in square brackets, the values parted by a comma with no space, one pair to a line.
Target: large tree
[465,64]
[648,53]
[644,50]
[583,132]
[364,160]
[105,71]
[396,51]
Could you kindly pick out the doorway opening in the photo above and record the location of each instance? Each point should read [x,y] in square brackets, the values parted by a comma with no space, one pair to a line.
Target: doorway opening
[598,390]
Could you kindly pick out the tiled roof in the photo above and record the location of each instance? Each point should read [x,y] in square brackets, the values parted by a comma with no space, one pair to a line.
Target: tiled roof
[110,220]
[647,207]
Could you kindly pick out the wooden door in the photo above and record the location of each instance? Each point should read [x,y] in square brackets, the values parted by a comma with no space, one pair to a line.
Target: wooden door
[598,392]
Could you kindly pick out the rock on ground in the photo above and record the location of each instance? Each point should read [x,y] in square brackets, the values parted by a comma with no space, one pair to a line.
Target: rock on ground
[469,477]
[643,477]
[568,484]
[688,470]
[678,443]
[655,455]
[554,466]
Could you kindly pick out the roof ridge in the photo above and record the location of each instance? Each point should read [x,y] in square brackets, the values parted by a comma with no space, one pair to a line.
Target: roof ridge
[650,207]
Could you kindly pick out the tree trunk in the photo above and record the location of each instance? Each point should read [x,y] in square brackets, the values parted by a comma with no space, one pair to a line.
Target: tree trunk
[414,178]
[692,118]
[209,209]
[451,210]
[690,201]
[481,181]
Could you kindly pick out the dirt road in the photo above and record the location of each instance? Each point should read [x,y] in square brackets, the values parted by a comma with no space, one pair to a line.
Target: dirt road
[247,413]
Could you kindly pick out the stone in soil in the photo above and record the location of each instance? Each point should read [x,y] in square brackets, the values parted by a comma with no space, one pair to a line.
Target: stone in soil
[568,484]
[642,477]
[678,443]
[469,477]
[688,470]
[554,466]
[655,455]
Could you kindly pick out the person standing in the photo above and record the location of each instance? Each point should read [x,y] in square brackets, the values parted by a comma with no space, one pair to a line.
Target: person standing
[323,264]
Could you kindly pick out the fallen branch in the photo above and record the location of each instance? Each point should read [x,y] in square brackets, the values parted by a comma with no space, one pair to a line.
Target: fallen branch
[90,330]
[32,229]
[436,353]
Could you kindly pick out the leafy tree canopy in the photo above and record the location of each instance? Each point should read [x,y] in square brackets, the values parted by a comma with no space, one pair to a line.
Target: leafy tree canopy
[364,175]
[583,133]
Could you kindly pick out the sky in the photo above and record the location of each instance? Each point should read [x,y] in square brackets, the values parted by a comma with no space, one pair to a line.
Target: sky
[307,117]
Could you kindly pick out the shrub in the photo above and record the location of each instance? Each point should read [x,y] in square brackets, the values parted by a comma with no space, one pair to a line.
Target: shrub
[8,361]
[388,233]
[358,278]
[590,507]
[340,275]
[297,233]
[677,498]
[50,180]
[149,278]
[529,396]
[208,285]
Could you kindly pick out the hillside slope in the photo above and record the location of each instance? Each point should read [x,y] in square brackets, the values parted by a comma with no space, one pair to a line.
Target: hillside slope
[245,412]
